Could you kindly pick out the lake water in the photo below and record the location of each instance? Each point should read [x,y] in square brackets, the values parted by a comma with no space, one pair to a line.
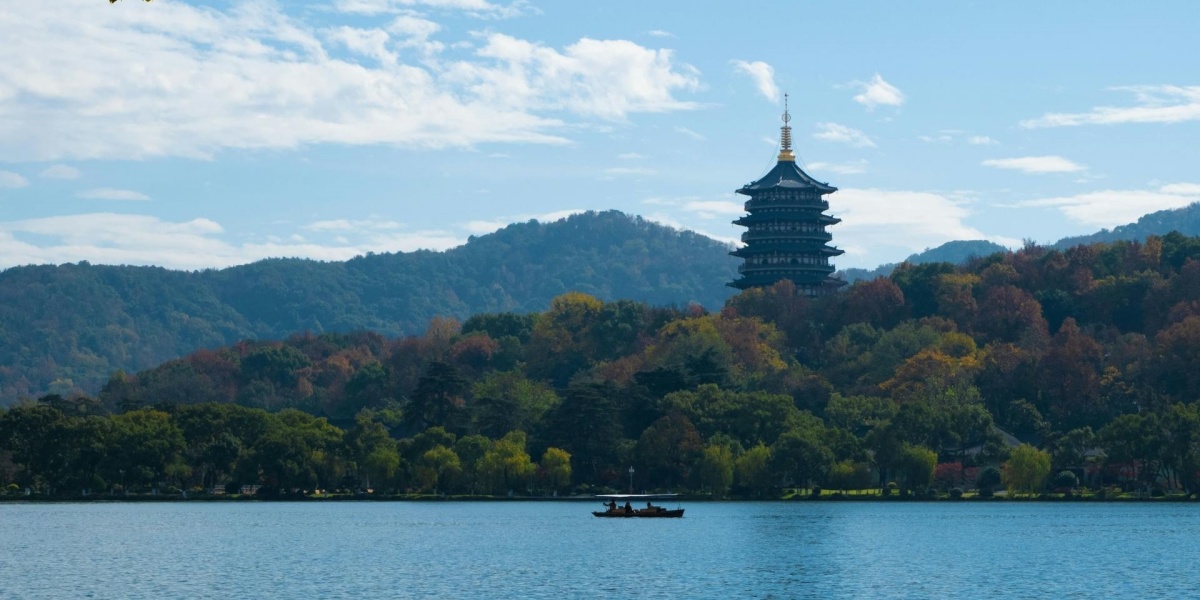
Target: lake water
[558,550]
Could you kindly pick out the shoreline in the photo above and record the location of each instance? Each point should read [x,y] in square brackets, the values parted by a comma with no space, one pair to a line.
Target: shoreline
[138,499]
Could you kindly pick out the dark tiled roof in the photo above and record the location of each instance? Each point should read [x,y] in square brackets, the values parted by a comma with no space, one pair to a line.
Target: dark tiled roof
[788,175]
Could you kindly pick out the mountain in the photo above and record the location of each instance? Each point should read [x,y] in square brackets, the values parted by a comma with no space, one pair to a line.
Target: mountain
[956,252]
[68,327]
[1185,220]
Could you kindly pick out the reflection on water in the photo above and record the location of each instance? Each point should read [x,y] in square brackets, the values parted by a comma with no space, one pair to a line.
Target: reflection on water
[554,550]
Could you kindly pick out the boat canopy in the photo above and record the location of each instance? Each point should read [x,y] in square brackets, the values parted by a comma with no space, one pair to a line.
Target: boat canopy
[636,496]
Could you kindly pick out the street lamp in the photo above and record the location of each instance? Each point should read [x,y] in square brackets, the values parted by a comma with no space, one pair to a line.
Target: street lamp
[631,480]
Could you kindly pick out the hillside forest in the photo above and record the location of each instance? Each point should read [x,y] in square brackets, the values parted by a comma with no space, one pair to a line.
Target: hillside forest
[1035,370]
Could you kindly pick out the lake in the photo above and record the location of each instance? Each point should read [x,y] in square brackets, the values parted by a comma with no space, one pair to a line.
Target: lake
[557,550]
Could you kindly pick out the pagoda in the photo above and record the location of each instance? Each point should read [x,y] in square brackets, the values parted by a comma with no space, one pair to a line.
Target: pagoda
[786,236]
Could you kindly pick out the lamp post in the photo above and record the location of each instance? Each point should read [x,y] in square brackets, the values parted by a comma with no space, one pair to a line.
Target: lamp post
[631,480]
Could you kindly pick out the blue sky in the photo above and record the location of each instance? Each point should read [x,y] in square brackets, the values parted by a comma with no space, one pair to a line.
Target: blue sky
[195,135]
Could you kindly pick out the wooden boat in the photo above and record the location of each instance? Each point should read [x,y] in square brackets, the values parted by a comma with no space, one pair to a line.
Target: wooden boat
[648,512]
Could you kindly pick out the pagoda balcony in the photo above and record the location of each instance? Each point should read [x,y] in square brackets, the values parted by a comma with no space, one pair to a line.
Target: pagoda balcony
[753,204]
[784,236]
[788,268]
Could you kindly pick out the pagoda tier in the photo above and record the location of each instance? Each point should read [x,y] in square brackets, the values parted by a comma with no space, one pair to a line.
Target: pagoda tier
[787,236]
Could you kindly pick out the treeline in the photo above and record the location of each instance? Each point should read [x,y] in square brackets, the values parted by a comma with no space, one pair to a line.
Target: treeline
[1065,368]
[61,447]
[64,329]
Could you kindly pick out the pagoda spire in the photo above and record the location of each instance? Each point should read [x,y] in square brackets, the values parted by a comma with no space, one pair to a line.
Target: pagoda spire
[785,137]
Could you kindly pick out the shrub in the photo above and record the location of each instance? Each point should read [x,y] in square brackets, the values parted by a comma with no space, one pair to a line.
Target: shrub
[1066,479]
[987,479]
[1157,493]
[816,492]
[956,493]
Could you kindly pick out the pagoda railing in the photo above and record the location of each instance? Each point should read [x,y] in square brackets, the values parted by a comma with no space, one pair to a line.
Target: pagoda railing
[785,268]
[820,205]
[783,236]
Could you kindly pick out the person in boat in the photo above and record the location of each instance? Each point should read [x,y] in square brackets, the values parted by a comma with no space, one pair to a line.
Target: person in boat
[628,508]
[612,506]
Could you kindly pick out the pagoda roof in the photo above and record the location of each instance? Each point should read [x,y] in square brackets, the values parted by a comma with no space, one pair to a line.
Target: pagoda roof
[786,175]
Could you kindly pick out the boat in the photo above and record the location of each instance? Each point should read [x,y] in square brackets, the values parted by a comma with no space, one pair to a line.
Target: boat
[628,511]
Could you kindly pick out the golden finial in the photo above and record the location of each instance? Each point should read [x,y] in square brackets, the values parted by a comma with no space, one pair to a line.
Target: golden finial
[786,138]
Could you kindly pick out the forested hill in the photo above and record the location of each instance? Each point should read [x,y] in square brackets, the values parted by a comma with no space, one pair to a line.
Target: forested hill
[68,327]
[1087,355]
[1185,220]
[955,252]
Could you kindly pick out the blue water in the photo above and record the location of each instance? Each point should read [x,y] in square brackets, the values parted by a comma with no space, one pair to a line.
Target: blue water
[557,550]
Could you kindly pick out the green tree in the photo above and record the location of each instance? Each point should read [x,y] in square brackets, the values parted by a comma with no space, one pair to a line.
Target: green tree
[439,469]
[556,468]
[148,446]
[1026,470]
[508,401]
[715,470]
[668,449]
[753,472]
[507,465]
[916,466]
[799,457]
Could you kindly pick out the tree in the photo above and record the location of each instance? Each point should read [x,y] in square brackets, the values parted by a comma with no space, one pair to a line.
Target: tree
[715,469]
[752,470]
[587,424]
[556,468]
[987,480]
[507,401]
[849,475]
[439,469]
[148,446]
[1009,314]
[799,457]
[916,466]
[1026,469]
[668,449]
[507,465]
[439,399]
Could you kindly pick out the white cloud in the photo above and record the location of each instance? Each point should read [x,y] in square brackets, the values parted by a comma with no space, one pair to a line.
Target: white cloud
[763,76]
[850,168]
[86,80]
[108,238]
[631,156]
[690,133]
[981,140]
[61,172]
[1192,189]
[878,92]
[1035,164]
[709,209]
[602,78]
[629,171]
[660,33]
[1156,104]
[478,8]
[1109,208]
[353,225]
[832,132]
[8,179]
[112,194]
[884,225]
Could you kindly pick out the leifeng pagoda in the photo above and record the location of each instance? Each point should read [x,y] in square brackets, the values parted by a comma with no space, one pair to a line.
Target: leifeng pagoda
[786,237]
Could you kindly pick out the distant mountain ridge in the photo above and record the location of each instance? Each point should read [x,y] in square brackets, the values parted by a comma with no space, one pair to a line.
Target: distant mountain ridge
[68,327]
[955,252]
[1185,220]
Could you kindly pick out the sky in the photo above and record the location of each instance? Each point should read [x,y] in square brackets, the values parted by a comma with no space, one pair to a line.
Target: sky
[196,135]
